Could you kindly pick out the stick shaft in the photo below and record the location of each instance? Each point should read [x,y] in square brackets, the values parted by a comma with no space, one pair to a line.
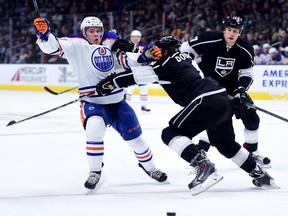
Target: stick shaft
[48,111]
[253,106]
[57,93]
[266,111]
[36,8]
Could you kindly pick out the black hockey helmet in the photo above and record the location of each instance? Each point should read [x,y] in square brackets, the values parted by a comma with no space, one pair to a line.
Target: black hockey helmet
[234,22]
[170,44]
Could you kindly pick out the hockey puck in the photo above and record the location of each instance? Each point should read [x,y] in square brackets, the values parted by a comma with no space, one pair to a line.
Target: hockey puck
[266,160]
[11,123]
[171,213]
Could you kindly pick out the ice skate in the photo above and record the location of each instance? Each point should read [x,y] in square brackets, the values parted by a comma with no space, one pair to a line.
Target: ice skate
[263,162]
[156,174]
[206,174]
[145,109]
[92,181]
[262,179]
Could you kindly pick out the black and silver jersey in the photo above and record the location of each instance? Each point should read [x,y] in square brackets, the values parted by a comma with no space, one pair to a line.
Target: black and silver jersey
[230,66]
[181,80]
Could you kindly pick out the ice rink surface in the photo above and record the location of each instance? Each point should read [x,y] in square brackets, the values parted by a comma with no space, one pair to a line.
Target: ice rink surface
[43,165]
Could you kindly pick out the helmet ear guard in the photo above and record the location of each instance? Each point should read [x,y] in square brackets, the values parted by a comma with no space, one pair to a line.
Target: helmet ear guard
[233,22]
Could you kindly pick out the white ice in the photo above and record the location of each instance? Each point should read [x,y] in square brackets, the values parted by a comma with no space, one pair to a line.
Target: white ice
[43,165]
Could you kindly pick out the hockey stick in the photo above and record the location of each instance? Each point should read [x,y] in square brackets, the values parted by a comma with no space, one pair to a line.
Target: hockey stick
[253,106]
[46,88]
[57,93]
[48,111]
[36,8]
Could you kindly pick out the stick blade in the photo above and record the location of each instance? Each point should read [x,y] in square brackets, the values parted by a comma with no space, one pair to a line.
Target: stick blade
[50,91]
[11,123]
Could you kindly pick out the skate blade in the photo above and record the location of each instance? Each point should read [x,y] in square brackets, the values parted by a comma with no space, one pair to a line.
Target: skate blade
[213,179]
[272,186]
[90,191]
[145,112]
[265,166]
[164,182]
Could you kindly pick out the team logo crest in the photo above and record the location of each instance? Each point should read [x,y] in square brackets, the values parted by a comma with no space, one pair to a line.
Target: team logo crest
[102,59]
[224,66]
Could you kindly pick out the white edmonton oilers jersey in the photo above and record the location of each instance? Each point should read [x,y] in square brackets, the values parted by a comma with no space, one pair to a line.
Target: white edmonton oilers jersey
[92,63]
[142,74]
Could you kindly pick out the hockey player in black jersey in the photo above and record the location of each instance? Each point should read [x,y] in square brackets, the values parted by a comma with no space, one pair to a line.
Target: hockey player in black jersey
[227,58]
[206,106]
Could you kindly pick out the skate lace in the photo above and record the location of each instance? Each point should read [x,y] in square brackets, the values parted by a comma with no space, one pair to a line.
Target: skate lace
[93,178]
[197,170]
[156,174]
[191,170]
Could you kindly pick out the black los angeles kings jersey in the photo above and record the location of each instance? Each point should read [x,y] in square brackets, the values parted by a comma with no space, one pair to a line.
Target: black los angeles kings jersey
[230,67]
[181,80]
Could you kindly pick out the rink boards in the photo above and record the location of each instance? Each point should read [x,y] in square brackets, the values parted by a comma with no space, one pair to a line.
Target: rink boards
[270,81]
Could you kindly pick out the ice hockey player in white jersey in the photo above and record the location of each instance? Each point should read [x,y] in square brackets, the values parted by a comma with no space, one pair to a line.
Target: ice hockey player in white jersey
[135,38]
[93,62]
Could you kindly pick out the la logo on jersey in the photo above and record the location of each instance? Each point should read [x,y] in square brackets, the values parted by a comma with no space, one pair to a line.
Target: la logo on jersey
[224,66]
[102,59]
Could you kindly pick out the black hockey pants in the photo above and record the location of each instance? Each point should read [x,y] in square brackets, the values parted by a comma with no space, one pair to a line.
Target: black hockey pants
[212,113]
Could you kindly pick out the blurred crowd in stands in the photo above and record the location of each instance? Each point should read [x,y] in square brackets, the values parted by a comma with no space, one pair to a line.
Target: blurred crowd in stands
[266,23]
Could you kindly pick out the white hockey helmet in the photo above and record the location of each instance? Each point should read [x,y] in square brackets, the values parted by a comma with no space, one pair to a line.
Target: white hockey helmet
[91,22]
[136,33]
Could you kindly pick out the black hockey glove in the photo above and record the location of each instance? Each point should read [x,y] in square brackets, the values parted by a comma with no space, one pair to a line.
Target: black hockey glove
[106,85]
[123,46]
[241,103]
[240,95]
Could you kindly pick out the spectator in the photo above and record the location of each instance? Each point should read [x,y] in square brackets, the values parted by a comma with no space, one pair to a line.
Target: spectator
[286,52]
[276,58]
[263,18]
[22,56]
[264,56]
[284,36]
[2,54]
[250,38]
[276,40]
[257,59]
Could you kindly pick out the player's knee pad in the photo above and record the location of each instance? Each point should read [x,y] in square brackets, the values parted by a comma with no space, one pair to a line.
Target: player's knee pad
[229,150]
[95,128]
[252,121]
[168,134]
